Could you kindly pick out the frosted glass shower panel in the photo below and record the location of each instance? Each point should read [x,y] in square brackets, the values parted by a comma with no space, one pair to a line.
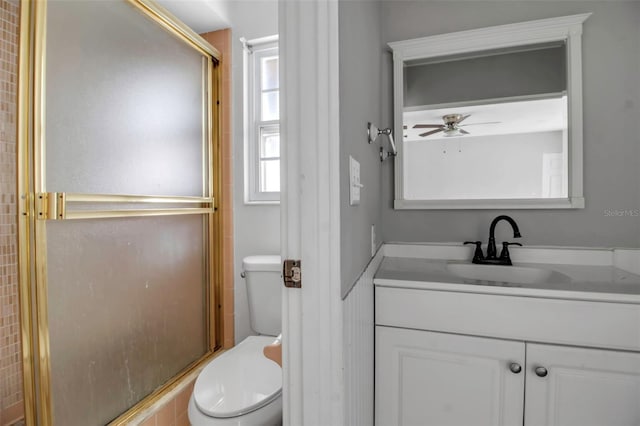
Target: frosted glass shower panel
[127,310]
[134,121]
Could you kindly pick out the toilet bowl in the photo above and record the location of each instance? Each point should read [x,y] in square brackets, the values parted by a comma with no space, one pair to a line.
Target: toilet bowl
[242,387]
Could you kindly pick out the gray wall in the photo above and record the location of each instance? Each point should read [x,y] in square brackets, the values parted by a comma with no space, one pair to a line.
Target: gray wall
[256,227]
[611,78]
[360,102]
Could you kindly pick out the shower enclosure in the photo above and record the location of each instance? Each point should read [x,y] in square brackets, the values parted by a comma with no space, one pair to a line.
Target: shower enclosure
[11,398]
[118,185]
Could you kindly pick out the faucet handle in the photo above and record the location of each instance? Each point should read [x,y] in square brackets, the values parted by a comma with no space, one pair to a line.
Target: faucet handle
[504,255]
[477,255]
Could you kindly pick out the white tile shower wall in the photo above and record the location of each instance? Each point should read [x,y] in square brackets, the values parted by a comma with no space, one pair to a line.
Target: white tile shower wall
[358,348]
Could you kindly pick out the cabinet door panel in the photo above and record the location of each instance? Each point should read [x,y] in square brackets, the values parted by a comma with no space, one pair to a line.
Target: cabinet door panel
[583,387]
[425,378]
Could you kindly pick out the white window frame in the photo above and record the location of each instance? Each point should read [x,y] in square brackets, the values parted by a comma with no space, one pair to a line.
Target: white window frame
[254,51]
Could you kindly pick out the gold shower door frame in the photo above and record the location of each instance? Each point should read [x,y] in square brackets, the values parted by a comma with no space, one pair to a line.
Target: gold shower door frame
[36,207]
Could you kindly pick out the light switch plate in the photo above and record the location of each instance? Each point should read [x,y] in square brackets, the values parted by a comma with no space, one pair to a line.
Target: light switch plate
[354,182]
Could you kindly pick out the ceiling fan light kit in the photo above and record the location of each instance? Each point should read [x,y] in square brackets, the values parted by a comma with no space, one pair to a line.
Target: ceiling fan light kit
[451,126]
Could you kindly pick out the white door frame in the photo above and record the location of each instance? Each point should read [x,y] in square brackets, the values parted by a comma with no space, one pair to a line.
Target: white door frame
[310,211]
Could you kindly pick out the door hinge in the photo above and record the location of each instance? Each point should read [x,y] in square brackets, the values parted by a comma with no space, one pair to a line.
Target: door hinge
[50,205]
[292,273]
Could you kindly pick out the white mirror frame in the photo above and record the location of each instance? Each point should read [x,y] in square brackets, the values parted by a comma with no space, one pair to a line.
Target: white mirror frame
[568,29]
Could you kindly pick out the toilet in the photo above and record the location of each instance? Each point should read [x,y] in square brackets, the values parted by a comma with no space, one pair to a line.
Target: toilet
[242,387]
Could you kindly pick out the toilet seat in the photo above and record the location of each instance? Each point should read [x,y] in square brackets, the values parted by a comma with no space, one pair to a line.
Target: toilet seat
[239,381]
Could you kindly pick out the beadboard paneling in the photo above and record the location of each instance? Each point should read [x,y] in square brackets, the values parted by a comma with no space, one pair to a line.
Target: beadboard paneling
[358,338]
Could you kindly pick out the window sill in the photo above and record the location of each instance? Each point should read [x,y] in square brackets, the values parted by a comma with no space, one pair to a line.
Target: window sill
[262,203]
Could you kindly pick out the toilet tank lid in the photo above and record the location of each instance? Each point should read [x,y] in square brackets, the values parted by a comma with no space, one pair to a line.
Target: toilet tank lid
[261,263]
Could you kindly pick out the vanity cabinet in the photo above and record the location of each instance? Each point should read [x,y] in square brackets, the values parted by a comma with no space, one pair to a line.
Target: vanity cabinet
[583,387]
[428,378]
[425,378]
[446,358]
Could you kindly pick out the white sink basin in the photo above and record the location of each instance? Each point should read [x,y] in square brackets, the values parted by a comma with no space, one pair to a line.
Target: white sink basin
[509,274]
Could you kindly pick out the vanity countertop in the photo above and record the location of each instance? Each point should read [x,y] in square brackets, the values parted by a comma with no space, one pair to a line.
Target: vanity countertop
[578,282]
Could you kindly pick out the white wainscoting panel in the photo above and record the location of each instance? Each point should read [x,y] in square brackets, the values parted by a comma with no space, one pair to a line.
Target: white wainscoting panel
[359,348]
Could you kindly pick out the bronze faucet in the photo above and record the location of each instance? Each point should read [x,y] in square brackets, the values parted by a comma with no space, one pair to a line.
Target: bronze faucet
[492,259]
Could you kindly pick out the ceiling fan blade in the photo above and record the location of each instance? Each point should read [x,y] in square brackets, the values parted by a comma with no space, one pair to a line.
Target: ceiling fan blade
[464,132]
[431,132]
[464,118]
[487,122]
[427,126]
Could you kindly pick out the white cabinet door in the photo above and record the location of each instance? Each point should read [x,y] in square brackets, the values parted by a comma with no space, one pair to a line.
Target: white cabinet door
[582,387]
[438,379]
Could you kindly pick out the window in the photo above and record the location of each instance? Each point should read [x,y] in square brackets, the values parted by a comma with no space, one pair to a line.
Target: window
[262,126]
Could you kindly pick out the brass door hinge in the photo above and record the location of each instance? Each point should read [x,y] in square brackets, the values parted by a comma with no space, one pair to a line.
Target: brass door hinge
[50,205]
[292,273]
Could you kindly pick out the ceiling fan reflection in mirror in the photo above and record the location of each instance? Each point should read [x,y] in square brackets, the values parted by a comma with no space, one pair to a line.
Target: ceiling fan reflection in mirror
[450,127]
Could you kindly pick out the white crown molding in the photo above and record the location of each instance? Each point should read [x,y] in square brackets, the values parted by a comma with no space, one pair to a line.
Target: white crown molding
[530,32]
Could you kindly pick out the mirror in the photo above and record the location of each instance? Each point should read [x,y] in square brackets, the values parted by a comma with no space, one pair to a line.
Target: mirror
[490,118]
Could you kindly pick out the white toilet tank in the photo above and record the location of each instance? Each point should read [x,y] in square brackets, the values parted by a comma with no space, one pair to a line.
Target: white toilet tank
[264,291]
